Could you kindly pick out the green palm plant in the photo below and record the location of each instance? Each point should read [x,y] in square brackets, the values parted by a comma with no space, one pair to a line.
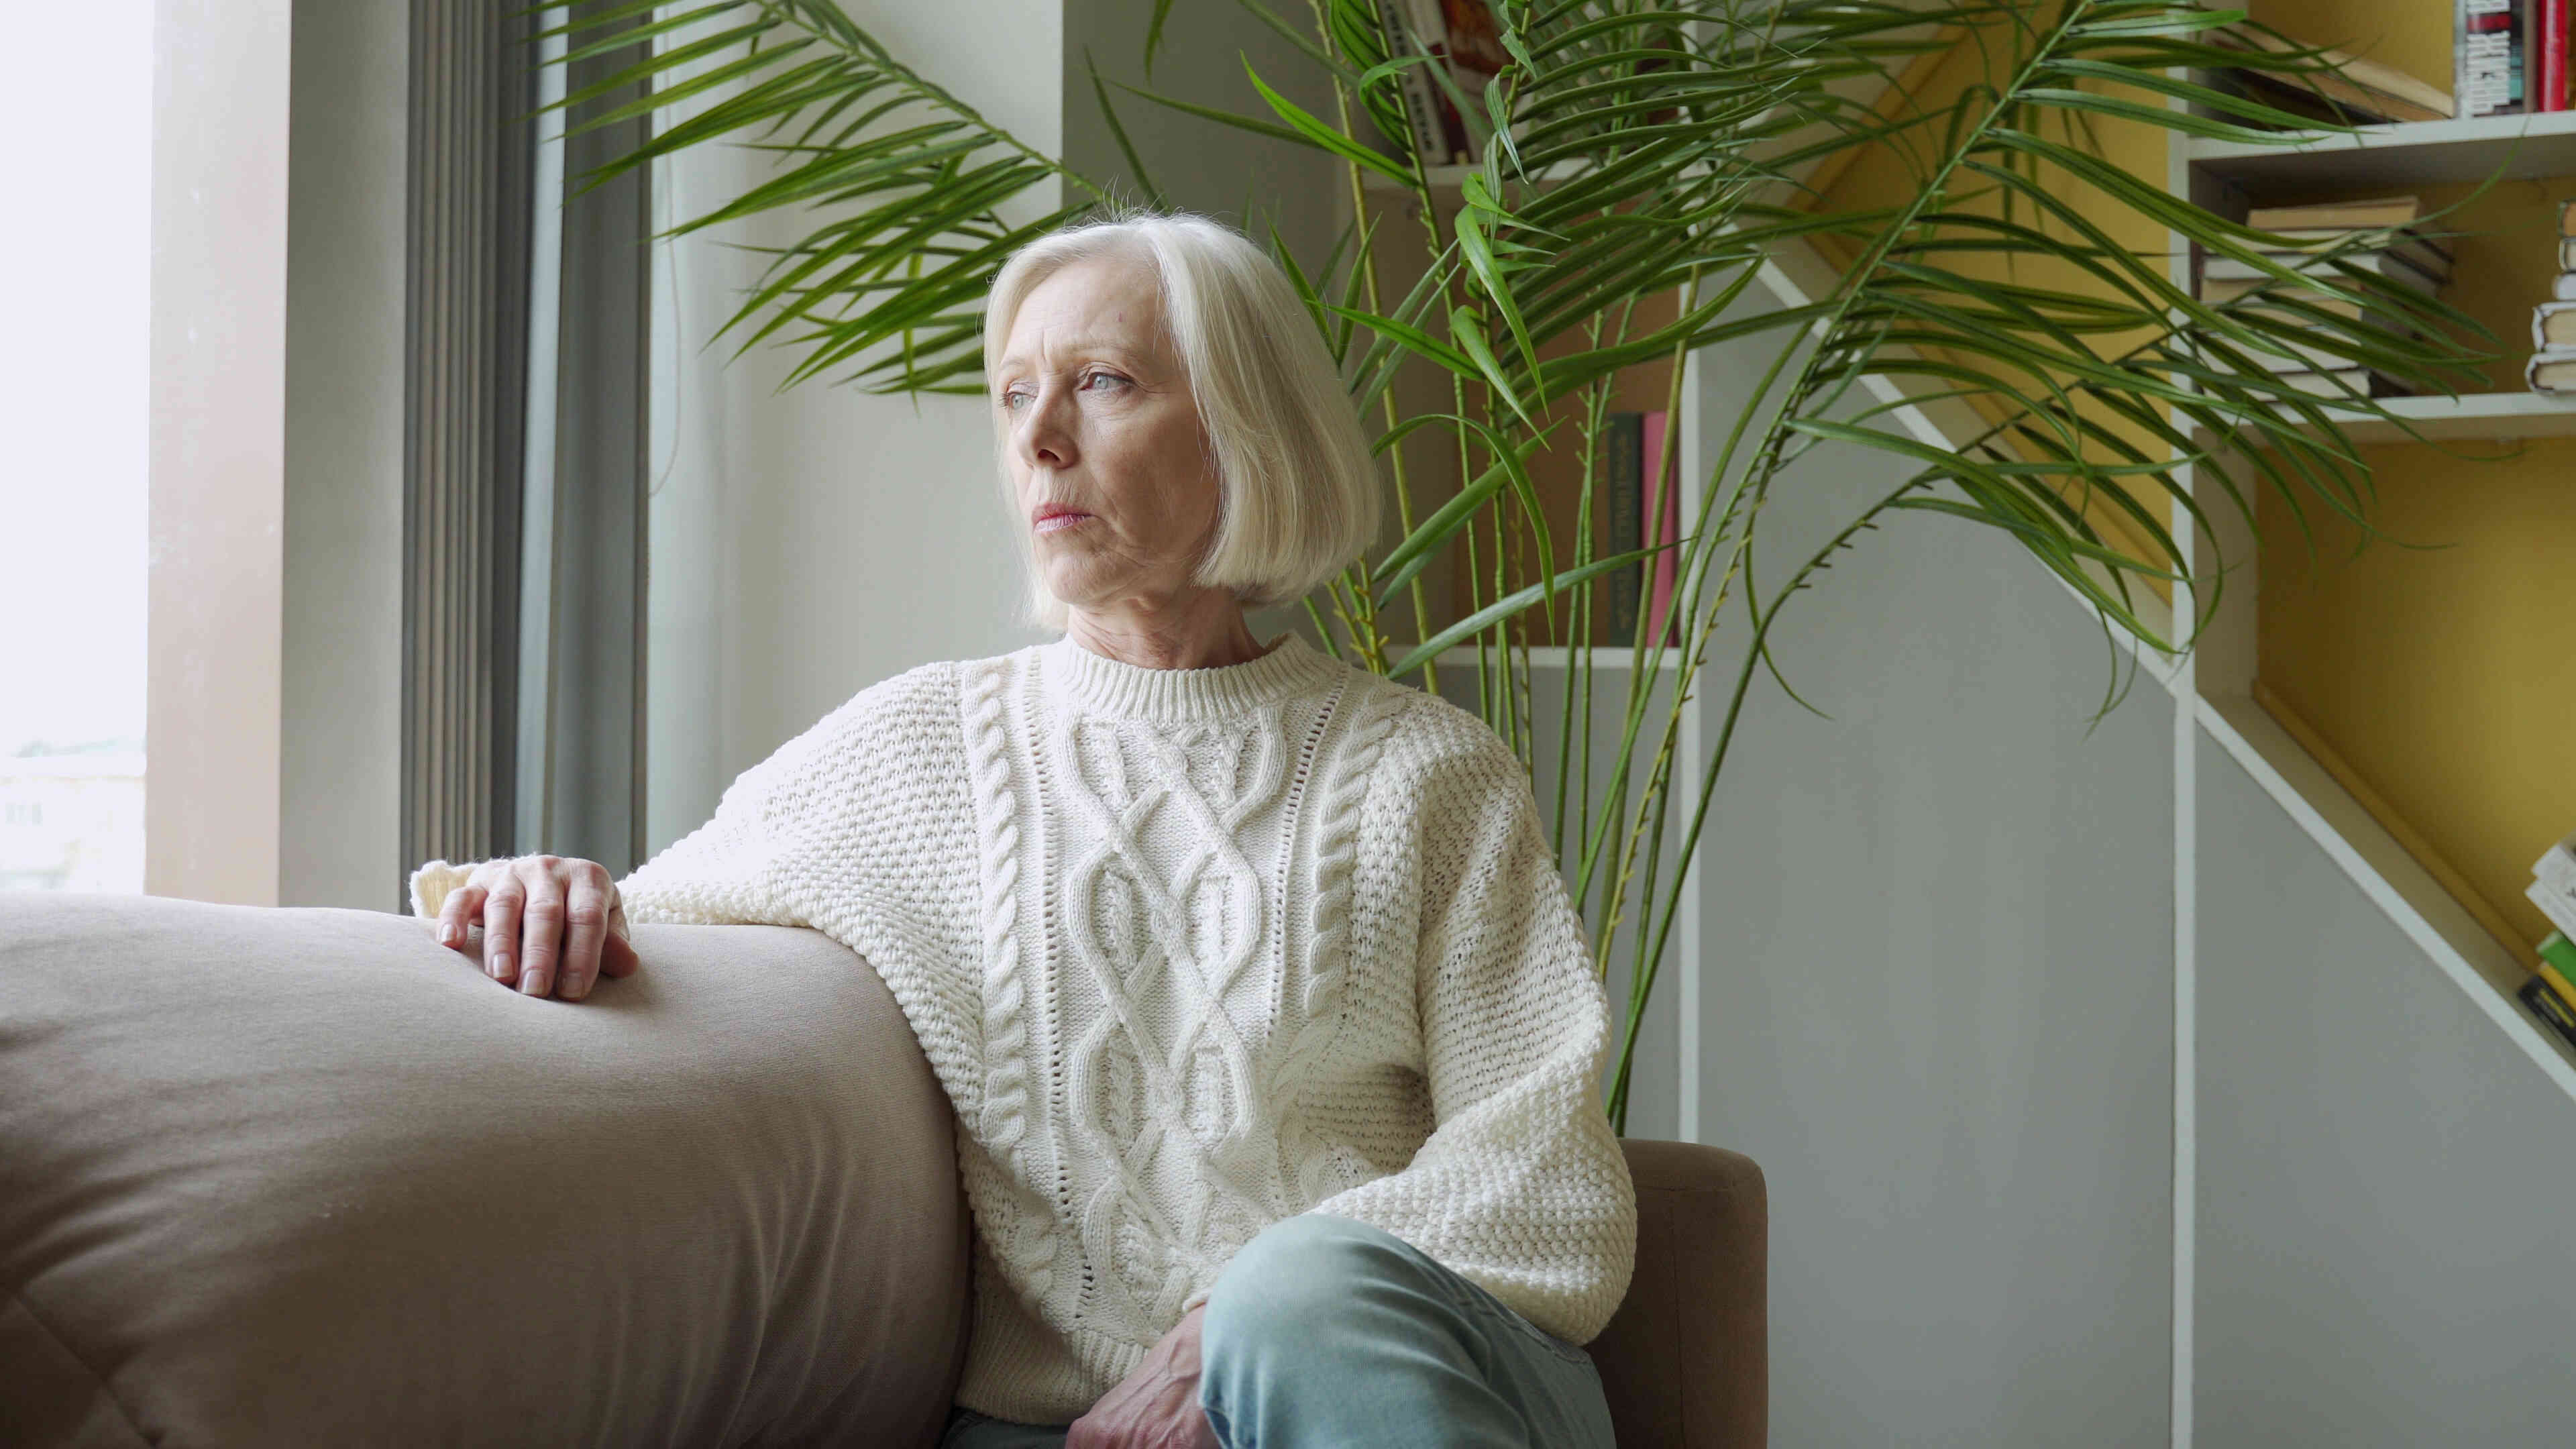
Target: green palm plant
[1634,152]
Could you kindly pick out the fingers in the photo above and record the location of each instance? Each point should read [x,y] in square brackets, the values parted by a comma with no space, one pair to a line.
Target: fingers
[617,956]
[586,922]
[456,911]
[502,900]
[552,926]
[541,925]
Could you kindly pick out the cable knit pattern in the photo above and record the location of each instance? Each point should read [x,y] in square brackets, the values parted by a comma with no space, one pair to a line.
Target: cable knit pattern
[1193,951]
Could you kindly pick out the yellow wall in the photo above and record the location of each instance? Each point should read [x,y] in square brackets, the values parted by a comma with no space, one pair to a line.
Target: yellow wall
[1882,177]
[2445,681]
[2442,686]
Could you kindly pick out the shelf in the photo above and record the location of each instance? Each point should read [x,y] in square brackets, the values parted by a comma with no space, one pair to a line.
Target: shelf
[2496,415]
[1553,656]
[2416,154]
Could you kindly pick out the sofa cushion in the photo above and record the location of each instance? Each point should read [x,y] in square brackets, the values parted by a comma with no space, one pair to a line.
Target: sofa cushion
[305,1177]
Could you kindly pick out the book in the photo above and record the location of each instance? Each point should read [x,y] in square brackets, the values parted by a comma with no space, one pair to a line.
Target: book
[2337,215]
[1668,528]
[2559,908]
[2426,256]
[2549,50]
[2564,289]
[2559,954]
[2365,91]
[2557,982]
[2387,264]
[2489,55]
[1430,30]
[2567,254]
[1623,442]
[2553,324]
[2345,382]
[2544,1003]
[2556,867]
[2552,371]
[1422,98]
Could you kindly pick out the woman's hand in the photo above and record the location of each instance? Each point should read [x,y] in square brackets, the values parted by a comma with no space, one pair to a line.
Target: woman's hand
[548,924]
[1157,1406]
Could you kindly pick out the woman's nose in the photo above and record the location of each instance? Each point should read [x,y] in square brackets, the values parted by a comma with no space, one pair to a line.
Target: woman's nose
[1046,431]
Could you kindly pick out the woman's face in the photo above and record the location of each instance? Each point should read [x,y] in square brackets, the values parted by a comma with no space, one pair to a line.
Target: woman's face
[1099,419]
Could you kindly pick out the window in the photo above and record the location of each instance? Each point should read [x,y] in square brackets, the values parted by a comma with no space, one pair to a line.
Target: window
[74,435]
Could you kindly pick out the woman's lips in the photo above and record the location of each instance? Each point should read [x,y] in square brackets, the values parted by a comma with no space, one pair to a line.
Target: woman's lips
[1058,522]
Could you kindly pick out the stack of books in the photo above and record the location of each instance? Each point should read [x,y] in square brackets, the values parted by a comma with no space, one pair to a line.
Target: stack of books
[2406,257]
[2509,57]
[1463,38]
[2551,992]
[2553,324]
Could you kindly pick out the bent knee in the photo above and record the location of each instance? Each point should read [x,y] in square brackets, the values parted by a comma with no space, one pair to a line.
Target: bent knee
[1301,1268]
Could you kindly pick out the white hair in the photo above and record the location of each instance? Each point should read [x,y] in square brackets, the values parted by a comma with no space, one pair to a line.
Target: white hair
[1297,489]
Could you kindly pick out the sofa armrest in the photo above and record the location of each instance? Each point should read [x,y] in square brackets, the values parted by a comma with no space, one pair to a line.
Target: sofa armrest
[1685,1361]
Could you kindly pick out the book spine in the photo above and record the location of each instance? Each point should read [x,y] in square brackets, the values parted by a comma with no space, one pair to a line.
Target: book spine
[1624,439]
[2558,984]
[1421,98]
[1434,31]
[2564,289]
[2559,953]
[1667,529]
[2490,53]
[2551,51]
[2560,909]
[2557,872]
[2553,1013]
[2541,327]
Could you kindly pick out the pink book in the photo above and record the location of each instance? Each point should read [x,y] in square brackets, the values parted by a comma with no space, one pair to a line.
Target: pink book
[1667,526]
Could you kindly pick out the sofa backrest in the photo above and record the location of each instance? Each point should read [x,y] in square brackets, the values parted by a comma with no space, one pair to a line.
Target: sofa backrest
[307,1177]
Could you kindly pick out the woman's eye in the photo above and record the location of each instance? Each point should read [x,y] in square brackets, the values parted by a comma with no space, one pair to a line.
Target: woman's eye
[1110,377]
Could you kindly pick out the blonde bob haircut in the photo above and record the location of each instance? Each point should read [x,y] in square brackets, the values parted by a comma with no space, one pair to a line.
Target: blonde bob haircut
[1297,488]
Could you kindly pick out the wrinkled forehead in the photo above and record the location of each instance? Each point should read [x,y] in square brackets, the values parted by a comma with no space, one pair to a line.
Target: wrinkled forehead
[1109,305]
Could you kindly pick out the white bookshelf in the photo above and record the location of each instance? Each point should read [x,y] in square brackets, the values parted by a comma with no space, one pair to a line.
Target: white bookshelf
[2492,415]
[2216,684]
[2418,153]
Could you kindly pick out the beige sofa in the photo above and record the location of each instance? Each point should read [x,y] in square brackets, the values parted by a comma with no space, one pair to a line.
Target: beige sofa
[306,1177]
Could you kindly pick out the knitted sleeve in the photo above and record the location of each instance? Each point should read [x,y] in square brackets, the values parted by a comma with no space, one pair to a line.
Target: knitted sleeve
[1521,1187]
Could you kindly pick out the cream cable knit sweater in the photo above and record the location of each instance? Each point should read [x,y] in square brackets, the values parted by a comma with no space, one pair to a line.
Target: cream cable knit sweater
[1192,951]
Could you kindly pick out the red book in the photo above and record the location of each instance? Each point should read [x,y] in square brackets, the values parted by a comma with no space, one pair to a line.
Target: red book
[2550,92]
[1667,527]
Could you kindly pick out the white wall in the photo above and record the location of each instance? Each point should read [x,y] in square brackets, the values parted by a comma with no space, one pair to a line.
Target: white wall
[2386,1182]
[809,543]
[1937,984]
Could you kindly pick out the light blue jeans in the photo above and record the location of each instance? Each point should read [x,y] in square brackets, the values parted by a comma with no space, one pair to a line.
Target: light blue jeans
[1325,1331]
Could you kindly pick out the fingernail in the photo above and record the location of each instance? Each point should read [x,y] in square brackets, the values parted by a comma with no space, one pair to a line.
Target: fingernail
[500,964]
[448,935]
[532,982]
[574,988]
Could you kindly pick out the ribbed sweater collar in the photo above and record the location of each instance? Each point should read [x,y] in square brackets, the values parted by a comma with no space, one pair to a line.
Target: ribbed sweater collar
[1098,684]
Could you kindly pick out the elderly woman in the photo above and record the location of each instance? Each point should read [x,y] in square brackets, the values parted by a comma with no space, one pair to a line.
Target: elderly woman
[1270,1027]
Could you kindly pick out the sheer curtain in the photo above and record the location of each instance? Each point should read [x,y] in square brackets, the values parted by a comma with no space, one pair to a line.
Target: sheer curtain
[526,422]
